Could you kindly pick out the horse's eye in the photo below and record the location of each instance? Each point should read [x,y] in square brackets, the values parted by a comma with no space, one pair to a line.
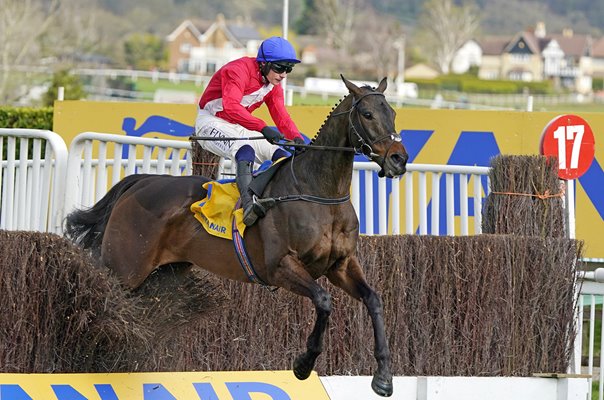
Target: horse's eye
[368,115]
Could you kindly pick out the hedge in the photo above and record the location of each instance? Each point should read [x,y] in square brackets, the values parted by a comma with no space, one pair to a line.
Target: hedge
[471,84]
[483,305]
[27,118]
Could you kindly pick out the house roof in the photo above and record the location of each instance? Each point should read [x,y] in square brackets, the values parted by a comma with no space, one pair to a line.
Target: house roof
[527,37]
[493,45]
[571,44]
[598,48]
[237,31]
[243,32]
[421,71]
[184,25]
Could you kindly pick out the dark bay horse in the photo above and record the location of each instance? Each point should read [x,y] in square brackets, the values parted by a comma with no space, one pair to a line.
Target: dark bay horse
[145,222]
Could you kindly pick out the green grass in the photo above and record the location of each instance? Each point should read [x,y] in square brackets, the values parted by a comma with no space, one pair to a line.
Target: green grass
[572,108]
[147,85]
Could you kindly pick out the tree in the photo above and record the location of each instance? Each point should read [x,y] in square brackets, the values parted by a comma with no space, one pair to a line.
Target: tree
[446,28]
[71,84]
[336,19]
[22,23]
[144,51]
[377,36]
[308,21]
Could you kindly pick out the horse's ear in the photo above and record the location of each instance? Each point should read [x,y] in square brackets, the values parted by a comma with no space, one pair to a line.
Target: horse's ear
[352,88]
[382,86]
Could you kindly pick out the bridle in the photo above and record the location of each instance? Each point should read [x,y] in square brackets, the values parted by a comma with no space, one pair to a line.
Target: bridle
[365,145]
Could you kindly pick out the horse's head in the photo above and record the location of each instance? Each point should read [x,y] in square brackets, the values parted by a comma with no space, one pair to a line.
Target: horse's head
[371,121]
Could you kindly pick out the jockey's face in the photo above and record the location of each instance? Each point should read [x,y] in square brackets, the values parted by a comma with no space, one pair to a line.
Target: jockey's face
[274,77]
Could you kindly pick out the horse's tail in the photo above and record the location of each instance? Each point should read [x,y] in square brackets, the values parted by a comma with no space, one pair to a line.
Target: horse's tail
[86,227]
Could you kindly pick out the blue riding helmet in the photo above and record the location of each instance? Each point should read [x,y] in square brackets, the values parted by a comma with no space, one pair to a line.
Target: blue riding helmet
[275,49]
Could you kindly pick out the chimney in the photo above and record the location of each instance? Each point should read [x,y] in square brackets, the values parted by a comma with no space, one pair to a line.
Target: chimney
[540,30]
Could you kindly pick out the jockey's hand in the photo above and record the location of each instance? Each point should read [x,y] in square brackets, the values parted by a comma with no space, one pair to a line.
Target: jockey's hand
[272,135]
[299,149]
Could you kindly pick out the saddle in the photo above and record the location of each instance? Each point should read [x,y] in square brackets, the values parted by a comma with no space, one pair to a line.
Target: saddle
[263,177]
[217,210]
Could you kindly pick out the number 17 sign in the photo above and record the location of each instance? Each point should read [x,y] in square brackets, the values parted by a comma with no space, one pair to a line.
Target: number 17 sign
[571,140]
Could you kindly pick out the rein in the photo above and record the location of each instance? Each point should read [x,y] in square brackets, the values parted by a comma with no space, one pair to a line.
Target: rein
[288,144]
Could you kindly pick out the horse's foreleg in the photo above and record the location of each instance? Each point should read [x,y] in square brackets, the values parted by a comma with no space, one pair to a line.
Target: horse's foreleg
[350,277]
[292,276]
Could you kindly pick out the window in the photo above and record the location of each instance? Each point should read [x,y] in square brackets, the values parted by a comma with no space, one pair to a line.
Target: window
[521,58]
[185,48]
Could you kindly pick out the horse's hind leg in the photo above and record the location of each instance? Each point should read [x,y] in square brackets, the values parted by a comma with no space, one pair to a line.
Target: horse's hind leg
[292,276]
[349,276]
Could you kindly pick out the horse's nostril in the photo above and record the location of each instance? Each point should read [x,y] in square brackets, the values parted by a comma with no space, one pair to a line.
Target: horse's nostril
[399,158]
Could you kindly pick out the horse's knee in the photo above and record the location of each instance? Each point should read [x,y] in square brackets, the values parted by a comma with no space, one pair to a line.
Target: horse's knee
[373,302]
[323,303]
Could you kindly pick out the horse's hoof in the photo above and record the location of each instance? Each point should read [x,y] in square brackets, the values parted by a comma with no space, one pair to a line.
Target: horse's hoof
[301,369]
[382,387]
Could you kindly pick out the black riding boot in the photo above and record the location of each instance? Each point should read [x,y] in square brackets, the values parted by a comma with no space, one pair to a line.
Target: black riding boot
[251,210]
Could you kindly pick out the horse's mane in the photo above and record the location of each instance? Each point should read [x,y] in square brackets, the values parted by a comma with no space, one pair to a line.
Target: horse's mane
[327,118]
[331,112]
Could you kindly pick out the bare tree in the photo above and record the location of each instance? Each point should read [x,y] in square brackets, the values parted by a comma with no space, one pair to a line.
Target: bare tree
[337,19]
[375,40]
[22,23]
[58,30]
[447,27]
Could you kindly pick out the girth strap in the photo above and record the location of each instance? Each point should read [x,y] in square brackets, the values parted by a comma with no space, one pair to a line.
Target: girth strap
[242,256]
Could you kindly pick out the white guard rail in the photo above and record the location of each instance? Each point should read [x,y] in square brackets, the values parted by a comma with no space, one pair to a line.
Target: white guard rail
[33,165]
[456,192]
[97,161]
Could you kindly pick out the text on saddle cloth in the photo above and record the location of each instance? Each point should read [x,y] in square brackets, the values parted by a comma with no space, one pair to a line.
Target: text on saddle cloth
[216,211]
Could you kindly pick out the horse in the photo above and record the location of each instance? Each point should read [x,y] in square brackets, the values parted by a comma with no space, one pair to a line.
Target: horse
[145,222]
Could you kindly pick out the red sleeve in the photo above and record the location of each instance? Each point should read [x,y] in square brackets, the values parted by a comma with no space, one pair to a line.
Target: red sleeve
[276,107]
[234,81]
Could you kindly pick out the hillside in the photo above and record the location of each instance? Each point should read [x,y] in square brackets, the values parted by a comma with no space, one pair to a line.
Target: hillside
[498,16]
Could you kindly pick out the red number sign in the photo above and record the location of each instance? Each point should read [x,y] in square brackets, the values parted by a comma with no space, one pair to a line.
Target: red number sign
[570,139]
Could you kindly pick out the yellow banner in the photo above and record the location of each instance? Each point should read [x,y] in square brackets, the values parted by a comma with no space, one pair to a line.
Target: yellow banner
[250,385]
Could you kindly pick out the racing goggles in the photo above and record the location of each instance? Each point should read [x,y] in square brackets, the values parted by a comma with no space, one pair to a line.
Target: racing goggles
[282,67]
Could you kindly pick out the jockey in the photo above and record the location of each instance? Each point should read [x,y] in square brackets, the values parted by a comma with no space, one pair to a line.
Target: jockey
[225,111]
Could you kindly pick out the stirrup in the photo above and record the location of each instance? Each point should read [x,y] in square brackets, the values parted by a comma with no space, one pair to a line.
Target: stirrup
[257,209]
[249,216]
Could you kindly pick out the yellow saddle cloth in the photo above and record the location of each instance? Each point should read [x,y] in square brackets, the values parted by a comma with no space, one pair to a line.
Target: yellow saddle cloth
[216,210]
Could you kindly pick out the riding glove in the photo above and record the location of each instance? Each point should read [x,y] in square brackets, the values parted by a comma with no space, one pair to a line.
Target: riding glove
[300,149]
[272,135]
